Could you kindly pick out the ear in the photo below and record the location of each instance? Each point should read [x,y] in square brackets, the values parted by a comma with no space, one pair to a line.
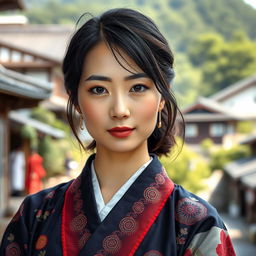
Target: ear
[161,105]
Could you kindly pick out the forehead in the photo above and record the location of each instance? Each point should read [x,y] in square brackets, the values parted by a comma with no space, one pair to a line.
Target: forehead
[102,59]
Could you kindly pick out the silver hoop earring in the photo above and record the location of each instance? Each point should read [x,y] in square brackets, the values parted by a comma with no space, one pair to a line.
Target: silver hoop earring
[159,121]
[81,122]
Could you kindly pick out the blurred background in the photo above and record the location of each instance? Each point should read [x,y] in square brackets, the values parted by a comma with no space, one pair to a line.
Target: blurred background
[214,43]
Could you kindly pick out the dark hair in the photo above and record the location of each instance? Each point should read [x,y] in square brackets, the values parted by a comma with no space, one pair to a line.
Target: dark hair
[137,36]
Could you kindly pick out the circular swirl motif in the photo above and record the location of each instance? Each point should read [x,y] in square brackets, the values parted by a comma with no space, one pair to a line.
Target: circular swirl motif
[75,185]
[112,244]
[13,249]
[138,207]
[189,212]
[41,242]
[153,253]
[128,225]
[83,239]
[78,223]
[159,179]
[152,195]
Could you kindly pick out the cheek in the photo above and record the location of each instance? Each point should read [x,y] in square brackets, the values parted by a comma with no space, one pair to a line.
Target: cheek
[148,111]
[91,112]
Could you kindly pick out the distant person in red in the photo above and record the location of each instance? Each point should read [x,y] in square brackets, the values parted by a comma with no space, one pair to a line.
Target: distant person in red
[35,173]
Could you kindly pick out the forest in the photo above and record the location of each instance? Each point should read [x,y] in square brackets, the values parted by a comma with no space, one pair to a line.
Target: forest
[213,41]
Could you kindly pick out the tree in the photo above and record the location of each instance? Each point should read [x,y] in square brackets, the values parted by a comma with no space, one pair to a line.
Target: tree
[52,155]
[188,169]
[223,156]
[187,84]
[223,62]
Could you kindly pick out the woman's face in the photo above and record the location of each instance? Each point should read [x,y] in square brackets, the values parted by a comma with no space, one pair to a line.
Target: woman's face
[119,107]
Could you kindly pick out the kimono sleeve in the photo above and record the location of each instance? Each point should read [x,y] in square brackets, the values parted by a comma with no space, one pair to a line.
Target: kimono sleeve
[214,241]
[16,237]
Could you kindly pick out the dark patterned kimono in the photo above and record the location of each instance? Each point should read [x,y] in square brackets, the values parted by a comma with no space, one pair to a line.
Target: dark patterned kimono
[155,217]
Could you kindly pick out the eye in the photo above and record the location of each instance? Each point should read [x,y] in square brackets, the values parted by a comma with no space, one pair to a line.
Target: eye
[139,88]
[98,90]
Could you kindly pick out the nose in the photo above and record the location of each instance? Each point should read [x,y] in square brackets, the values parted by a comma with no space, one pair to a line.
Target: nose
[119,107]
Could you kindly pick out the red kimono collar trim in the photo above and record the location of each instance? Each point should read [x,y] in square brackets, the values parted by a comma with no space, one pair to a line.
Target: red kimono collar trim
[130,231]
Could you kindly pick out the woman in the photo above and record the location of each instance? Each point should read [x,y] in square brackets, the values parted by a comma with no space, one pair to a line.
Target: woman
[35,173]
[117,71]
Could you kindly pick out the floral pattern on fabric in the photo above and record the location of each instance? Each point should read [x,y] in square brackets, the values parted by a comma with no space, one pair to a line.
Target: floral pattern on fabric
[182,235]
[78,224]
[41,242]
[75,230]
[130,223]
[42,215]
[13,249]
[189,211]
[188,252]
[215,241]
[226,247]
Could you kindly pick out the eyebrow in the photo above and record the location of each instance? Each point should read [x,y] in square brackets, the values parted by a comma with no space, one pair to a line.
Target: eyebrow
[108,79]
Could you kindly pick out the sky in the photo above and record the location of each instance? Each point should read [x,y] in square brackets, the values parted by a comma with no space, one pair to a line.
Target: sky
[251,2]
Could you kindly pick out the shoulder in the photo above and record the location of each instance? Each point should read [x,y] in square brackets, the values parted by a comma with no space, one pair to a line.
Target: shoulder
[34,211]
[191,209]
[52,194]
[199,228]
[43,201]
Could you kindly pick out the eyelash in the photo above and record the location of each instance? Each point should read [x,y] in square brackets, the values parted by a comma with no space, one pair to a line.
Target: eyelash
[141,86]
[92,90]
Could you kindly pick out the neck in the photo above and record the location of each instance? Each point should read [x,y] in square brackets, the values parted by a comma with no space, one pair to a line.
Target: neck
[114,169]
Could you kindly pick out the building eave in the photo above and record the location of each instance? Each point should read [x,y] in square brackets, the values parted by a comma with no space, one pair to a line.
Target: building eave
[20,85]
[241,167]
[234,88]
[39,126]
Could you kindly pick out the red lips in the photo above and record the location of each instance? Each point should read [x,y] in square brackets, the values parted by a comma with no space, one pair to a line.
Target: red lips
[121,132]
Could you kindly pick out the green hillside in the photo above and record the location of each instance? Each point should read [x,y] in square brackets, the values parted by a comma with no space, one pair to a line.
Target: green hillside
[185,23]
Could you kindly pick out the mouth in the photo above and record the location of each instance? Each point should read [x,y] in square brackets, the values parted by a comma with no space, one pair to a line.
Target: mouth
[121,132]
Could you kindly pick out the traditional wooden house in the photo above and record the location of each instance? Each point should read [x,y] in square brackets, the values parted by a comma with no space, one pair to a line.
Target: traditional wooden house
[242,183]
[37,51]
[16,91]
[217,116]
[208,119]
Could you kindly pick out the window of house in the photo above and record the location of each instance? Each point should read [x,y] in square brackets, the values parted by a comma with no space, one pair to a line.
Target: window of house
[16,56]
[230,129]
[28,58]
[191,130]
[4,54]
[217,129]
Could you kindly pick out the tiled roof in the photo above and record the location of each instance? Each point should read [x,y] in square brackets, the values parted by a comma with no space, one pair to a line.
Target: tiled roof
[42,127]
[241,167]
[49,41]
[250,180]
[250,139]
[14,83]
[234,88]
[217,111]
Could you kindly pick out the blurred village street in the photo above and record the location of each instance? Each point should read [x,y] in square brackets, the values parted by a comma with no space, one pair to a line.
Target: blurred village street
[237,226]
[215,88]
